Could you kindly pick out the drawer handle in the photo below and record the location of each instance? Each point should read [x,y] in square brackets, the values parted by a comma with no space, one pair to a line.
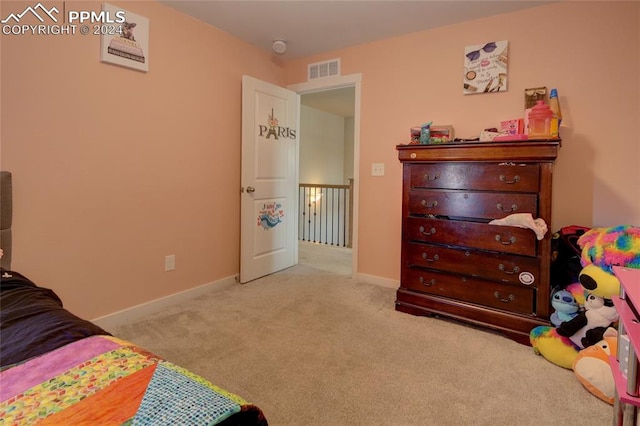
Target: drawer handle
[511,240]
[508,299]
[433,259]
[428,177]
[429,206]
[500,207]
[516,179]
[503,269]
[429,283]
[423,232]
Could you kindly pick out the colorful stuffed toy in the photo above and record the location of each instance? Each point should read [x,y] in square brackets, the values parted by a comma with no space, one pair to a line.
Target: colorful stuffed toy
[592,366]
[588,327]
[565,304]
[573,346]
[602,248]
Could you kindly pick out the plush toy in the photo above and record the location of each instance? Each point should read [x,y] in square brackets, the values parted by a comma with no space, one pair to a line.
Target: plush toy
[565,304]
[555,347]
[592,367]
[602,248]
[562,344]
[588,327]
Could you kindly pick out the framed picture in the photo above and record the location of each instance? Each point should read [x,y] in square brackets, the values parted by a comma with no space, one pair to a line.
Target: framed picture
[125,43]
[485,68]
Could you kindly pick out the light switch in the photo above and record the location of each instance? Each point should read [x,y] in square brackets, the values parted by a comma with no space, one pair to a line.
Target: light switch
[377,169]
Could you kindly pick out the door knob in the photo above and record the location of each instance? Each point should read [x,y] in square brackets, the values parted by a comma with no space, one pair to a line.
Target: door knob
[250,189]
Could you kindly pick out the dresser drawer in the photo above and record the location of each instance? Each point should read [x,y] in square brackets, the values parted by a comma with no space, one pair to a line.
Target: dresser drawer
[504,239]
[483,205]
[507,297]
[507,268]
[507,176]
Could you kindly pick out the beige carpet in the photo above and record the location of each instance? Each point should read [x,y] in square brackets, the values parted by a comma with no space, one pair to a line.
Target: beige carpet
[313,347]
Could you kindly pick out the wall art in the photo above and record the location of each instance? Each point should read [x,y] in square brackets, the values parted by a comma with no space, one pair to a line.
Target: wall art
[485,68]
[125,42]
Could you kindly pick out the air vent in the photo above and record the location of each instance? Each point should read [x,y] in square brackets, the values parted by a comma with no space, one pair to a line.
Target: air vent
[324,69]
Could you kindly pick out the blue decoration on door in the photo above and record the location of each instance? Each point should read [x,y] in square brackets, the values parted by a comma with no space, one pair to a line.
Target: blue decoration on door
[270,215]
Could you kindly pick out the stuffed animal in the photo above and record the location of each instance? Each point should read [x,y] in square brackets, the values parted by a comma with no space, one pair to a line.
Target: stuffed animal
[592,367]
[588,327]
[602,248]
[565,304]
[561,345]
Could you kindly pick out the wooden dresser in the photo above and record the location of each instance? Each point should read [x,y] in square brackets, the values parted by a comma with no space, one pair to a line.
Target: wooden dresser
[454,263]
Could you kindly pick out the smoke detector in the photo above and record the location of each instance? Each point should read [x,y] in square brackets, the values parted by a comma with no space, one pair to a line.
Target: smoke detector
[279,47]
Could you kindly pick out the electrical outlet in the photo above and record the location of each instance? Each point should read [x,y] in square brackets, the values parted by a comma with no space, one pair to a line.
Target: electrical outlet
[170,262]
[377,169]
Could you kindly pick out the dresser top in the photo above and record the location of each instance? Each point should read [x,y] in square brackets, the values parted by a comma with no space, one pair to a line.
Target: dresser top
[481,151]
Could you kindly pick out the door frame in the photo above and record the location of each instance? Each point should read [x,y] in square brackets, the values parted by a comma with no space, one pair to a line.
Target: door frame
[339,82]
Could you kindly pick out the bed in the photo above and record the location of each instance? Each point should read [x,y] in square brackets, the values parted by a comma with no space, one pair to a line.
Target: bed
[57,368]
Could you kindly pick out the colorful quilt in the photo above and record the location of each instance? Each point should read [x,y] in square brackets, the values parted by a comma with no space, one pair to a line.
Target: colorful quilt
[59,369]
[102,380]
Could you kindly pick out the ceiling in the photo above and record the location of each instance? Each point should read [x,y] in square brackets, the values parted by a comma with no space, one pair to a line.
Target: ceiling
[315,26]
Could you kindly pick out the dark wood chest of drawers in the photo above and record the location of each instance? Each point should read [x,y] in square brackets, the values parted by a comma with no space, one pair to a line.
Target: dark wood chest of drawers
[456,264]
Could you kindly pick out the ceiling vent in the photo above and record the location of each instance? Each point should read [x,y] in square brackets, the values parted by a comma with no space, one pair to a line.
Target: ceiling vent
[324,69]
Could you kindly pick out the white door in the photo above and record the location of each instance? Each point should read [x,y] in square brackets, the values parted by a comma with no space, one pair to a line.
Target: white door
[269,210]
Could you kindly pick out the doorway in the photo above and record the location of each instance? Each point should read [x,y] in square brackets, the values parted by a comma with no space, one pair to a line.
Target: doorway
[339,97]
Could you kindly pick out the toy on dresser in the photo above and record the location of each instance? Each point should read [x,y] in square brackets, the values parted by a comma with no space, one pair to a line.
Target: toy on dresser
[602,248]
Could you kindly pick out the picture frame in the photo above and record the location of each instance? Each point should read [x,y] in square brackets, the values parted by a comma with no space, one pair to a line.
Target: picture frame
[485,68]
[125,43]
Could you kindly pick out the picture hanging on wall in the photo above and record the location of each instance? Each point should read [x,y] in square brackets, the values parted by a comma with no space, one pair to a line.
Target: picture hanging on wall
[125,43]
[485,68]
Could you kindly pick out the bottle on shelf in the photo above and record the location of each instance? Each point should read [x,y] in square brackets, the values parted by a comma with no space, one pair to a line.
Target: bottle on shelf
[540,117]
[554,104]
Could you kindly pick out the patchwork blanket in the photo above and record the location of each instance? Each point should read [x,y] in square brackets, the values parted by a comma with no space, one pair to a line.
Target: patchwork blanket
[107,381]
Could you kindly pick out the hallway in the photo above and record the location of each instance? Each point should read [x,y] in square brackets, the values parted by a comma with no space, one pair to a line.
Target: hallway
[325,257]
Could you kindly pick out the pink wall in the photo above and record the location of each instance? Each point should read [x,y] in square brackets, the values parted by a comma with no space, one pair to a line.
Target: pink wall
[590,51]
[114,168]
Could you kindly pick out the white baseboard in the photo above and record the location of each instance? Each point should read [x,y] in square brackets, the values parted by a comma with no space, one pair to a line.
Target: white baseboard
[384,282]
[111,321]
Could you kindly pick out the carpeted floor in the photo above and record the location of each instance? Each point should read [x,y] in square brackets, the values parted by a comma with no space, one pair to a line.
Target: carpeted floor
[313,347]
